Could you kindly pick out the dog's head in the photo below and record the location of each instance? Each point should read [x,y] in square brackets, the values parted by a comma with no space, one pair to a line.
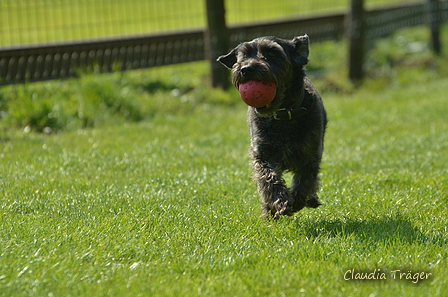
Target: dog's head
[269,59]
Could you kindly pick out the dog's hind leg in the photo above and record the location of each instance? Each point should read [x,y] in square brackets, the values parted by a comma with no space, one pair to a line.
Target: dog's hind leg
[275,196]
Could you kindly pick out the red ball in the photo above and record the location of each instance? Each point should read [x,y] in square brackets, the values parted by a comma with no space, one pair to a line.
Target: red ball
[257,93]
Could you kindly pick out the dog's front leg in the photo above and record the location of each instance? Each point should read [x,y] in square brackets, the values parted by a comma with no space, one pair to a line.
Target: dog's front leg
[304,188]
[275,196]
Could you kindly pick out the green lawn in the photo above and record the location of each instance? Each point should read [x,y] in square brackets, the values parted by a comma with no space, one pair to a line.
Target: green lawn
[166,207]
[140,185]
[31,21]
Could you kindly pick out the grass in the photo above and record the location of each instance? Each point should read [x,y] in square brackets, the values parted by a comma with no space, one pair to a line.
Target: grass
[140,185]
[31,21]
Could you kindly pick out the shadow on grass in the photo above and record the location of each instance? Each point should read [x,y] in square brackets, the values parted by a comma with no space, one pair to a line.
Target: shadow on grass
[384,229]
[158,85]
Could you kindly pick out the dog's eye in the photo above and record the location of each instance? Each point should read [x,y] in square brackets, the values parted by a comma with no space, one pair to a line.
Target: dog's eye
[272,54]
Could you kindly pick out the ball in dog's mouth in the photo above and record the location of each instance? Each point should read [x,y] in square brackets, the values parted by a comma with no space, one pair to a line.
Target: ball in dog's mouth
[256,93]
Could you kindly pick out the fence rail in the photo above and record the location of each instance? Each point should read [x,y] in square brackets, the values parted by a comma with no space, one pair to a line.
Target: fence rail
[67,59]
[43,62]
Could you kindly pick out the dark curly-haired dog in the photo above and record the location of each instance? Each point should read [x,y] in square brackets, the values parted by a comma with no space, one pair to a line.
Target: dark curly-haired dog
[288,133]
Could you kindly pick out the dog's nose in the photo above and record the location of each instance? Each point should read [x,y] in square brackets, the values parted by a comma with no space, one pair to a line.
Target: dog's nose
[245,70]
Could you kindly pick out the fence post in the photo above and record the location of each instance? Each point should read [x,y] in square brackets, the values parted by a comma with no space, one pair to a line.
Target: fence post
[356,34]
[216,42]
[434,25]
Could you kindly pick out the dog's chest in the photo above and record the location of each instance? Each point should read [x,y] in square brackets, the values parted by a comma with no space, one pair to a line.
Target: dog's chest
[272,137]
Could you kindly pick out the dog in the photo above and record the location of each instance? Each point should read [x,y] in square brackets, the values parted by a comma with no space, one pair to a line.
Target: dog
[288,133]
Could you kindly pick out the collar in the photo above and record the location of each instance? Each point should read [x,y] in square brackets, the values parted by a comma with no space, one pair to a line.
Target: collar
[294,111]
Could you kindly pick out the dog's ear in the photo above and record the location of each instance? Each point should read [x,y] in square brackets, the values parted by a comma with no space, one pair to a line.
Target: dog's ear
[228,60]
[301,49]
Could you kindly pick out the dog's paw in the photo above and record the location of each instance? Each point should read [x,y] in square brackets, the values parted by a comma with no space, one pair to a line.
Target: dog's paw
[313,202]
[275,211]
[281,207]
[283,204]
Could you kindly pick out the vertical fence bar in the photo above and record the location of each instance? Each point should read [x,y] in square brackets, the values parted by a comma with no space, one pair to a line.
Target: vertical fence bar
[216,41]
[434,25]
[356,37]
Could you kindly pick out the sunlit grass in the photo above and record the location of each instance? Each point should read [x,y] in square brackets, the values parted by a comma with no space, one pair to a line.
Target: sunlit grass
[138,183]
[167,207]
[32,21]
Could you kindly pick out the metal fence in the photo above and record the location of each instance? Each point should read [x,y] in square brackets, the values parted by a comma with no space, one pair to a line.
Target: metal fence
[61,59]
[47,21]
